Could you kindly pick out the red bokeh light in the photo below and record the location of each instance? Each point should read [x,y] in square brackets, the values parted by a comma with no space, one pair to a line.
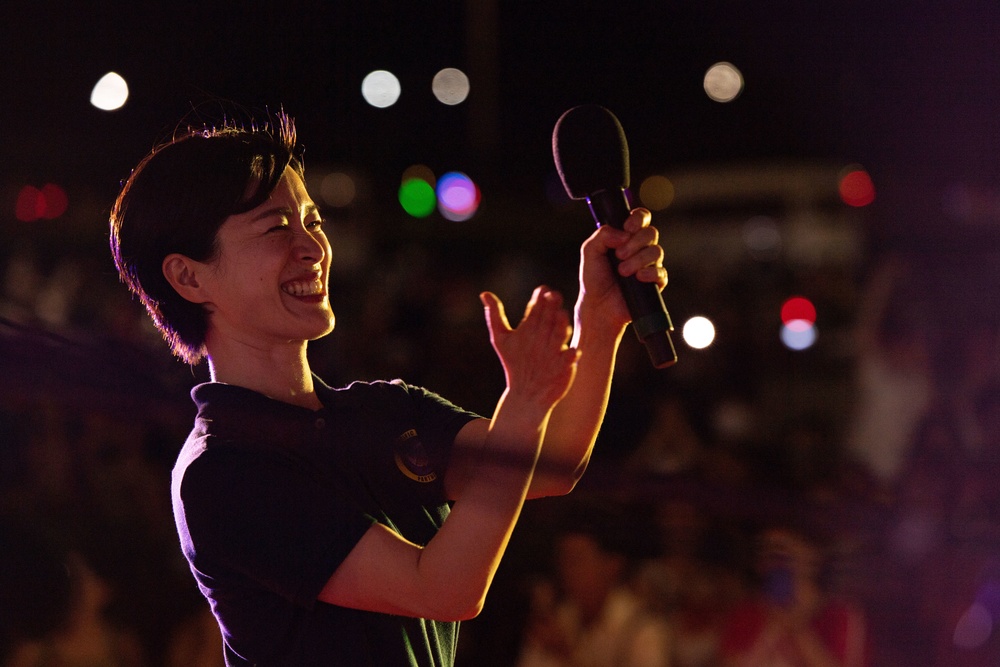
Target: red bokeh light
[56,201]
[798,309]
[48,203]
[856,188]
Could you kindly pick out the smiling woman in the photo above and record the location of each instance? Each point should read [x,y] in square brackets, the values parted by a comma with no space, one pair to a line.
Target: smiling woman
[176,200]
[265,287]
[358,525]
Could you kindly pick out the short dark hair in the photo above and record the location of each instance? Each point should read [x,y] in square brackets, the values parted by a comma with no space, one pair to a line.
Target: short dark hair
[176,199]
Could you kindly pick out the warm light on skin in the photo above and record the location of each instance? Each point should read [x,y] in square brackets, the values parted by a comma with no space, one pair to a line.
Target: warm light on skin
[261,254]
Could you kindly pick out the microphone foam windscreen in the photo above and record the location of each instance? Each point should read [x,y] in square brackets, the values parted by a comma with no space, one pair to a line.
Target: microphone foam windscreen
[590,151]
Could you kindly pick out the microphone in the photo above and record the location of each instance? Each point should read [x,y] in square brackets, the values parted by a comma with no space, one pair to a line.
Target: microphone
[591,156]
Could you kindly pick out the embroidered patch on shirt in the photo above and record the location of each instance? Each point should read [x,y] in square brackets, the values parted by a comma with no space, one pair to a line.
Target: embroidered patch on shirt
[412,459]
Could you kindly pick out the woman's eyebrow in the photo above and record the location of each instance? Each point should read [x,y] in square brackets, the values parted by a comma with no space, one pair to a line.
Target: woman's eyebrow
[284,212]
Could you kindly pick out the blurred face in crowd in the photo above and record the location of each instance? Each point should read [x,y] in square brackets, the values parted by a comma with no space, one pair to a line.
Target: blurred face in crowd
[587,573]
[787,561]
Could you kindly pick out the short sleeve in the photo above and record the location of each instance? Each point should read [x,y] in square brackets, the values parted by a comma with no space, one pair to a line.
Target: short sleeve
[262,517]
[440,421]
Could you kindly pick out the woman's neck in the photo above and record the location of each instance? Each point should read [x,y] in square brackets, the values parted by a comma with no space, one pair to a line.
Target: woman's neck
[281,372]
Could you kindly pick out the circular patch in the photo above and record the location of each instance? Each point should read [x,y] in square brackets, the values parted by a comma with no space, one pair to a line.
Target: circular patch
[412,459]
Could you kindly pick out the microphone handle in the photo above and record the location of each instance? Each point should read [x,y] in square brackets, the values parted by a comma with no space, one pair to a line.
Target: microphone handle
[645,303]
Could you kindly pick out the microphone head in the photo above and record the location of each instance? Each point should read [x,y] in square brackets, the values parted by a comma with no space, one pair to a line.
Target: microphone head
[590,151]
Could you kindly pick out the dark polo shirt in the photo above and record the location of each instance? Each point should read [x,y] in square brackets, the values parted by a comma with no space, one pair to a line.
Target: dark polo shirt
[269,498]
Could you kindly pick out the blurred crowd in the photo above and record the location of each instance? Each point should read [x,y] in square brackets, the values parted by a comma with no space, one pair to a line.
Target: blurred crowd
[708,532]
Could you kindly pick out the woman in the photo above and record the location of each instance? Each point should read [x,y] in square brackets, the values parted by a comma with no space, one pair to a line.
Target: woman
[359,525]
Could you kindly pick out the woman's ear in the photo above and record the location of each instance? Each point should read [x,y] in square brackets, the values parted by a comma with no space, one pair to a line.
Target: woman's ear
[182,273]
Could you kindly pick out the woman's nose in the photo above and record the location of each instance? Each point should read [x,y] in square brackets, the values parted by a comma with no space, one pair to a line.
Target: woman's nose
[311,246]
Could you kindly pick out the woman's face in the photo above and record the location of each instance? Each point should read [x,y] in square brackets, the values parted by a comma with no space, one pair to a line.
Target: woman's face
[268,284]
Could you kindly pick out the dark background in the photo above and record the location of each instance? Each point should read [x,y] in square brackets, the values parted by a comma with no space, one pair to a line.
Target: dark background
[94,407]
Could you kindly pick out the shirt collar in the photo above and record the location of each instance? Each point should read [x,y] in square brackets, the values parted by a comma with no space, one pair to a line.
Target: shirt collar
[237,413]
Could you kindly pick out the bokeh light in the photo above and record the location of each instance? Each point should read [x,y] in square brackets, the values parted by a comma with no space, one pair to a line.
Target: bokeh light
[110,92]
[797,310]
[381,88]
[45,203]
[723,82]
[421,171]
[798,335]
[798,323]
[656,193]
[698,332]
[762,238]
[338,189]
[856,187]
[458,196]
[450,86]
[417,197]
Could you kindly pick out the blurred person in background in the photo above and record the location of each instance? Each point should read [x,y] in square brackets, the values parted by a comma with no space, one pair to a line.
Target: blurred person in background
[896,386]
[694,580]
[792,620]
[53,607]
[587,615]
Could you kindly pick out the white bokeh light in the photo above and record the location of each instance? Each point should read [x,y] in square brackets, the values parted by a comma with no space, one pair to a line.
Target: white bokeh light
[450,86]
[110,92]
[798,335]
[723,82]
[698,332]
[381,88]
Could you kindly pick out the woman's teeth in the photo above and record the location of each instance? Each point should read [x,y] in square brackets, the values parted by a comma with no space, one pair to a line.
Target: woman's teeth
[303,287]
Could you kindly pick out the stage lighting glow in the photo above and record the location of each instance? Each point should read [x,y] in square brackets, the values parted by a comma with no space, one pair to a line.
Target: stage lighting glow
[110,92]
[338,189]
[798,309]
[656,193]
[698,332]
[47,203]
[417,197]
[723,82]
[762,238]
[381,88]
[458,196]
[973,628]
[856,187]
[798,335]
[450,86]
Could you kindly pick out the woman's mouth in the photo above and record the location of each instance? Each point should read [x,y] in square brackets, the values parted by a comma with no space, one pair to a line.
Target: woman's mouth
[310,287]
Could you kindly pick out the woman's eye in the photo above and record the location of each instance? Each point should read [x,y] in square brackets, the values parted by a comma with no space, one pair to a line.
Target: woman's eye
[316,224]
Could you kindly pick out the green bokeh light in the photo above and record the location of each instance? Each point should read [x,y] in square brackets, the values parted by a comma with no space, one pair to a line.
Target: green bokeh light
[417,197]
